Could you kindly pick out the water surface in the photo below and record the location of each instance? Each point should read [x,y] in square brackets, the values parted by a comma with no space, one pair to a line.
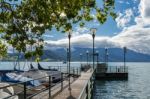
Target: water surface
[137,86]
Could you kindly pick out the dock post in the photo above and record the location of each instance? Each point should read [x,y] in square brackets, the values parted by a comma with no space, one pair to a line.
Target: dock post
[49,87]
[25,93]
[61,81]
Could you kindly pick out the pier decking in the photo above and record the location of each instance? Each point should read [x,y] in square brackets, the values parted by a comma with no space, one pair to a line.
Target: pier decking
[78,89]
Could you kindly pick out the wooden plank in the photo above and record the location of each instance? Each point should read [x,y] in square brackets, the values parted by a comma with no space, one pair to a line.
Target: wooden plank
[76,88]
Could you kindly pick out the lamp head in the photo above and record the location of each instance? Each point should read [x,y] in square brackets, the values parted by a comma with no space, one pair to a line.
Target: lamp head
[87,51]
[125,49]
[96,52]
[106,49]
[93,31]
[69,33]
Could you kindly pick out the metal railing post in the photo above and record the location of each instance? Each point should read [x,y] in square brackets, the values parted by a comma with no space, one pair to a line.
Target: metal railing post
[25,91]
[87,92]
[73,74]
[61,81]
[49,87]
[60,68]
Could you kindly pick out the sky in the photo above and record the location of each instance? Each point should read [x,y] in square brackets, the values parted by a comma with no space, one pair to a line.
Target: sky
[131,29]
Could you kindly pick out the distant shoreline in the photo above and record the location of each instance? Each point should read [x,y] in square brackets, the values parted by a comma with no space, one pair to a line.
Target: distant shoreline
[74,61]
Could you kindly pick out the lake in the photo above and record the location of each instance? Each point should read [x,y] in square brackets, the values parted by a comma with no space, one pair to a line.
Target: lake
[137,86]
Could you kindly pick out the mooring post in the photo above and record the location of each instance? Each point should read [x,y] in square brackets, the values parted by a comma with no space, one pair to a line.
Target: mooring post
[25,93]
[49,87]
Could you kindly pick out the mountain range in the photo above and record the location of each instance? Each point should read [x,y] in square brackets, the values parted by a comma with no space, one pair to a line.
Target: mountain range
[114,55]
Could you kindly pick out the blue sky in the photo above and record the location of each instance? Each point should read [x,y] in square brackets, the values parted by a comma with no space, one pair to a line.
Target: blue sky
[110,28]
[131,29]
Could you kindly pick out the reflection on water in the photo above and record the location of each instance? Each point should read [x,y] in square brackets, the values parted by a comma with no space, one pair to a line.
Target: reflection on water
[137,86]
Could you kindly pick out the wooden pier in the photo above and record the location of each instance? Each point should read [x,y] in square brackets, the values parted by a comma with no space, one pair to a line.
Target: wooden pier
[81,88]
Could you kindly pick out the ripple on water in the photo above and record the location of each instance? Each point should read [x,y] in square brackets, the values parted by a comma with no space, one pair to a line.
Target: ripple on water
[137,86]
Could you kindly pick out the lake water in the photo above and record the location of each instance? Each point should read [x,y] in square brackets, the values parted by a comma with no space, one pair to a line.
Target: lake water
[26,65]
[137,86]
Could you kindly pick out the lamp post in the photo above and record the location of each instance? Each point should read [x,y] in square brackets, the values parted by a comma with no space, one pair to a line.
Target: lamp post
[69,56]
[87,55]
[106,51]
[93,31]
[125,51]
[80,61]
[106,56]
[67,60]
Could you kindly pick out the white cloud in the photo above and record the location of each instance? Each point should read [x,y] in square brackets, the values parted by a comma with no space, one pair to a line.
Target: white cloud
[135,37]
[144,9]
[80,30]
[120,1]
[49,36]
[123,19]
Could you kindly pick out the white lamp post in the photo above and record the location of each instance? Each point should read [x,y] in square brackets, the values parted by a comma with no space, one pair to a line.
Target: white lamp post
[93,32]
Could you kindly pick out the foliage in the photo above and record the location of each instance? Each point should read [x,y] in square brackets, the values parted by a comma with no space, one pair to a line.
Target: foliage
[3,50]
[24,24]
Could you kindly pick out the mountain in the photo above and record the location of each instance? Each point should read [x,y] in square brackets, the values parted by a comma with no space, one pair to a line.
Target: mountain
[114,55]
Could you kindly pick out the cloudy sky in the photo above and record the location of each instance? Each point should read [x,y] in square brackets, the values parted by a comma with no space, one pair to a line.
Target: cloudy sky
[131,29]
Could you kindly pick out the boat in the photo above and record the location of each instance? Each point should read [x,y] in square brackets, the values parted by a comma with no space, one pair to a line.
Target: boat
[54,73]
[64,62]
[41,68]
[4,95]
[6,92]
[35,74]
[32,67]
[19,77]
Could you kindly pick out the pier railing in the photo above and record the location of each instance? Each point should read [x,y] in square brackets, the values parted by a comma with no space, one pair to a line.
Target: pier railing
[64,69]
[87,91]
[27,92]
[112,69]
